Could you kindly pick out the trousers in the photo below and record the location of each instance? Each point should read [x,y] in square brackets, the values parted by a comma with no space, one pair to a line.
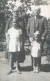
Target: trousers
[14,57]
[36,61]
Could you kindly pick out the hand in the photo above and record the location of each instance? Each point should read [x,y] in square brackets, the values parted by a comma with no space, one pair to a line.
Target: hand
[31,39]
[42,39]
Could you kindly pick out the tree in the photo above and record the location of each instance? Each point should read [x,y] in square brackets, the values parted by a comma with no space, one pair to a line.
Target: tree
[36,2]
[2,16]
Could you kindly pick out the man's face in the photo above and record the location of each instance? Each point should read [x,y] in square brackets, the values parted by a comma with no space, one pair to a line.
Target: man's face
[36,12]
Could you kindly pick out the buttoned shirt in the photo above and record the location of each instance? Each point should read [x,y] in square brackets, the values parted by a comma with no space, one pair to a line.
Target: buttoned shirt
[13,36]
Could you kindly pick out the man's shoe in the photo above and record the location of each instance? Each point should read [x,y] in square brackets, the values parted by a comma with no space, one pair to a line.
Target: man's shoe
[10,72]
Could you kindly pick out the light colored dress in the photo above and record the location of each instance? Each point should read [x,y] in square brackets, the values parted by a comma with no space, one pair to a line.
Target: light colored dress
[36,49]
[13,39]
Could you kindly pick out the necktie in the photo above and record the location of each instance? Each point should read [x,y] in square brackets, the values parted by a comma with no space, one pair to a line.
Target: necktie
[34,24]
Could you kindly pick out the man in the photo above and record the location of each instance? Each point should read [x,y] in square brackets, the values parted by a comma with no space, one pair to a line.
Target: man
[13,36]
[37,23]
[18,18]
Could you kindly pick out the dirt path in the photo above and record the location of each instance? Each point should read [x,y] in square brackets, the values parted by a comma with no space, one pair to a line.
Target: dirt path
[26,72]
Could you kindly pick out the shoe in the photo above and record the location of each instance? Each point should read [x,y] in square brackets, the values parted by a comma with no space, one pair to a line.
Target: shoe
[37,70]
[17,71]
[10,72]
[34,69]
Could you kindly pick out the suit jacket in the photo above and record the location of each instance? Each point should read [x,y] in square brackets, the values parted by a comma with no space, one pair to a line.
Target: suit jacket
[38,24]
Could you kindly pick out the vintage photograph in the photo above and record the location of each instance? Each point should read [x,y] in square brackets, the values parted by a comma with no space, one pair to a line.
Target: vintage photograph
[24,40]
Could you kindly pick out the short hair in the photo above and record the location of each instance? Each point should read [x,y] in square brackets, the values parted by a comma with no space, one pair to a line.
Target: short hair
[37,8]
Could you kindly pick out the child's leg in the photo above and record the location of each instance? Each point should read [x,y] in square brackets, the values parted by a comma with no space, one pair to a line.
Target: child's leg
[17,60]
[34,64]
[39,63]
[12,60]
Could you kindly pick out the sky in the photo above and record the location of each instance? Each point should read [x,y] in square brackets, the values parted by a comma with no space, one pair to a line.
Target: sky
[45,10]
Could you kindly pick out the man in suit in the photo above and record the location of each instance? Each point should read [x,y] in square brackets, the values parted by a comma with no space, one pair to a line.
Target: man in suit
[37,23]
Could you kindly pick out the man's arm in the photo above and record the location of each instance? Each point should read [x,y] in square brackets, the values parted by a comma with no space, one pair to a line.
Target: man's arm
[45,29]
[7,39]
[28,27]
[20,36]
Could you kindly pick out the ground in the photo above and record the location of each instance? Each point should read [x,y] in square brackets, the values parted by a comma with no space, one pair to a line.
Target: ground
[26,71]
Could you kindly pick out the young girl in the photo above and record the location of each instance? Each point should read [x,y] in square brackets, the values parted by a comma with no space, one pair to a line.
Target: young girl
[13,36]
[36,52]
